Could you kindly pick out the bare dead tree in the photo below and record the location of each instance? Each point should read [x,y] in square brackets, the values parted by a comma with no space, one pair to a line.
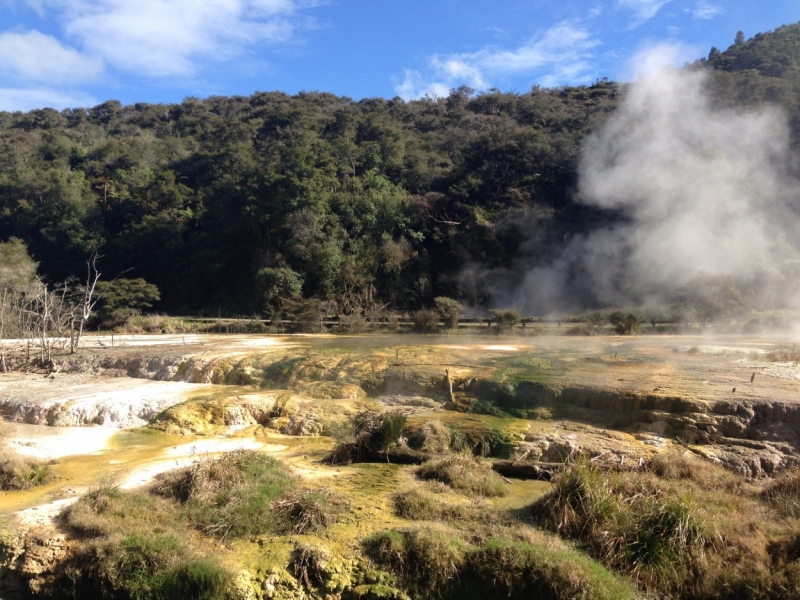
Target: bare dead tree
[86,303]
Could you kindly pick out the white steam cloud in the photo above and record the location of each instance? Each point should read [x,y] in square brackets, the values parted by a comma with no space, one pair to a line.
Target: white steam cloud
[702,190]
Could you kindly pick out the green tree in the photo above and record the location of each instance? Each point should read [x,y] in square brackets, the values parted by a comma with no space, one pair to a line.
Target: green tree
[449,309]
[122,298]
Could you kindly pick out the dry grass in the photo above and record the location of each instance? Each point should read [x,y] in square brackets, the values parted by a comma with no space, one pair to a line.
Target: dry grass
[309,510]
[784,354]
[683,528]
[465,474]
[229,495]
[420,505]
[435,437]
[22,473]
[784,494]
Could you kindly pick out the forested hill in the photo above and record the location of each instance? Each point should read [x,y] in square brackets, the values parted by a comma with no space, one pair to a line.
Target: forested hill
[249,205]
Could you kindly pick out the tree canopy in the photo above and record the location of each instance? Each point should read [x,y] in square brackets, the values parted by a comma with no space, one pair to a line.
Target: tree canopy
[245,204]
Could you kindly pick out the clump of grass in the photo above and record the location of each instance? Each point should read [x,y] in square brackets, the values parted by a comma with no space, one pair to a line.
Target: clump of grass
[429,557]
[372,433]
[419,505]
[628,523]
[465,474]
[22,473]
[149,566]
[308,565]
[684,466]
[504,568]
[579,501]
[229,495]
[438,563]
[784,494]
[435,437]
[309,510]
[656,536]
[138,547]
[106,511]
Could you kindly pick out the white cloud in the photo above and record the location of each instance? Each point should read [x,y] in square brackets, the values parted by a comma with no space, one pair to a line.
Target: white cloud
[563,51]
[706,10]
[643,9]
[32,56]
[170,38]
[28,99]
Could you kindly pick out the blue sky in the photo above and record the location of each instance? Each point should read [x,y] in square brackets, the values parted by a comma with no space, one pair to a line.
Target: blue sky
[70,53]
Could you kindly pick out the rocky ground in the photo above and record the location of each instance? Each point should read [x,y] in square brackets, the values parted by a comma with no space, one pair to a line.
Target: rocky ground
[733,401]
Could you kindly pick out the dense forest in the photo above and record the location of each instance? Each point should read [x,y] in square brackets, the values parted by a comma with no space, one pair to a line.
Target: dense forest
[249,205]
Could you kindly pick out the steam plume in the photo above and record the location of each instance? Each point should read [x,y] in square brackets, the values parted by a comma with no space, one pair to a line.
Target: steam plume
[702,190]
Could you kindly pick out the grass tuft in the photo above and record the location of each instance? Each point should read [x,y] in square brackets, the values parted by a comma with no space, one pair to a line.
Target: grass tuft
[784,494]
[229,495]
[419,505]
[465,474]
[22,473]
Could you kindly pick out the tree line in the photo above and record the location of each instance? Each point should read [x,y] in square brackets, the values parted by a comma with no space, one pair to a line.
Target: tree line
[283,205]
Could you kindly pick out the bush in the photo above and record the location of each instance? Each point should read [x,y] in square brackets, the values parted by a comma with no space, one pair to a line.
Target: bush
[122,298]
[426,321]
[625,323]
[465,474]
[506,319]
[450,311]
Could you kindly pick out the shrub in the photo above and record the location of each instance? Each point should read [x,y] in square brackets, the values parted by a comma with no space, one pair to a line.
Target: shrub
[426,321]
[625,323]
[465,474]
[506,319]
[450,311]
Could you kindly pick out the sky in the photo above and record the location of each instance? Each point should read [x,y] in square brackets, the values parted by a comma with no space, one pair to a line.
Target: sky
[80,53]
